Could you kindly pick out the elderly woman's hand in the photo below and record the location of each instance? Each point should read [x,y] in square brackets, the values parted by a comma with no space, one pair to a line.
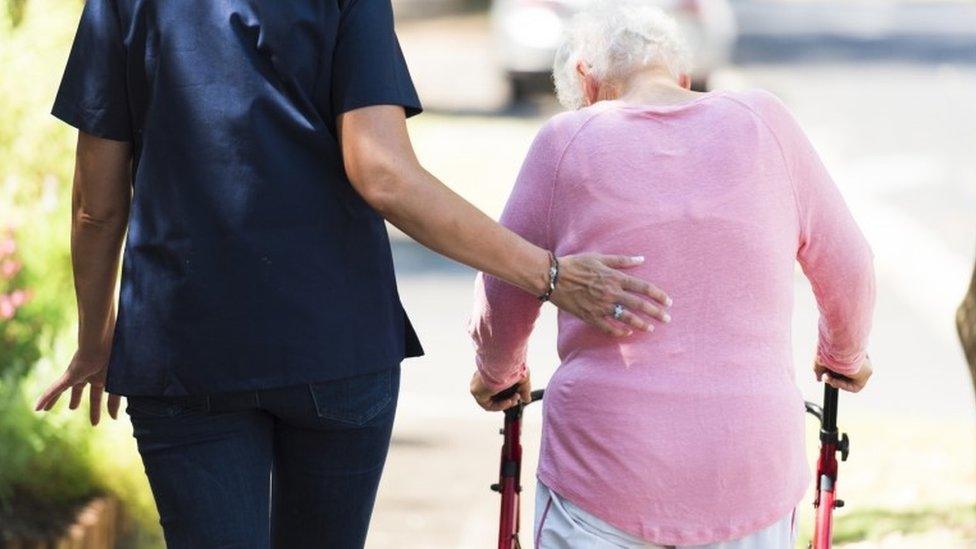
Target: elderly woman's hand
[590,287]
[486,397]
[851,383]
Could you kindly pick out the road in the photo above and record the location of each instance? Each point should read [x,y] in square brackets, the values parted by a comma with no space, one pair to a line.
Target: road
[885,93]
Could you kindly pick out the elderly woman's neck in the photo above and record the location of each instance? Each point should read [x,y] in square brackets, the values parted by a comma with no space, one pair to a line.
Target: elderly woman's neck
[654,86]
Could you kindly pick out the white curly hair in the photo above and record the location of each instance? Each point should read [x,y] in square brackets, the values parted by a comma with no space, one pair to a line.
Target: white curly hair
[616,38]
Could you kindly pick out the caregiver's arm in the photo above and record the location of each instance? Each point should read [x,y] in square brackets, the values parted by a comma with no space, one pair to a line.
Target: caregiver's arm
[100,210]
[835,257]
[381,164]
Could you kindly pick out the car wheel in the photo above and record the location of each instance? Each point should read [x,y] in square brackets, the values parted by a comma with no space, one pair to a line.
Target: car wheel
[524,85]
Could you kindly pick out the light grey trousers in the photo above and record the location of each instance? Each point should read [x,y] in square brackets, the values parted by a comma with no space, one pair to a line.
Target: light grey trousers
[561,525]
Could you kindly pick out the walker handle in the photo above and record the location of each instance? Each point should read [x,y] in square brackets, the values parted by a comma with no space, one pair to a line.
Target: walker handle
[508,393]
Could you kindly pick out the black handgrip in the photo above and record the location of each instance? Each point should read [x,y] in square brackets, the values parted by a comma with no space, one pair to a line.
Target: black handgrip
[510,392]
[829,419]
[506,394]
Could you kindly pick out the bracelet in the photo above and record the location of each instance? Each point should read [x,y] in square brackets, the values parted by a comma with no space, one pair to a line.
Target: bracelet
[553,277]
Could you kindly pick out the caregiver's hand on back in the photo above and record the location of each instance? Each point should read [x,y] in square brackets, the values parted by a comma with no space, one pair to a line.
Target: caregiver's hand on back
[589,287]
[381,165]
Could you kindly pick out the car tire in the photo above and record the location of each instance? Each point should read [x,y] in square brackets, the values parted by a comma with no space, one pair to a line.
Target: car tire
[521,87]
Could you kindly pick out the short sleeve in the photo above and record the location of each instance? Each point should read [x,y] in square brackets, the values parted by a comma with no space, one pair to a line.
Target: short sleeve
[92,96]
[368,65]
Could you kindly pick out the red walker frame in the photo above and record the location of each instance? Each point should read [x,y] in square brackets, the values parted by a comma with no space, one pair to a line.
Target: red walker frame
[824,502]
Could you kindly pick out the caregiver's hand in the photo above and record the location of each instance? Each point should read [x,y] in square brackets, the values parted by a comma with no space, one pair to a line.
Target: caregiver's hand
[84,369]
[590,286]
[380,162]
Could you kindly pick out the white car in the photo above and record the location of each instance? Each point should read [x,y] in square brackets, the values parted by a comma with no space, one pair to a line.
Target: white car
[527,32]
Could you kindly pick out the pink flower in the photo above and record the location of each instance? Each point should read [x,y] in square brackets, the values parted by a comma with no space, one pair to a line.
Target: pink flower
[7,307]
[7,246]
[9,268]
[18,298]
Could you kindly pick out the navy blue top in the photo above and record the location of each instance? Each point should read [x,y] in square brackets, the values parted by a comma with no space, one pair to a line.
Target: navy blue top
[250,261]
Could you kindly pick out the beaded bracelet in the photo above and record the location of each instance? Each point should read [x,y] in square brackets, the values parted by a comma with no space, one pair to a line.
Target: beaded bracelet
[553,277]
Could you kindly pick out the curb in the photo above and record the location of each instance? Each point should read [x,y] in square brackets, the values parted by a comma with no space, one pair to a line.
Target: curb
[96,526]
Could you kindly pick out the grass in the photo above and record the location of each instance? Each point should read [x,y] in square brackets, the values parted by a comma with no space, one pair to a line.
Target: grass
[873,524]
[893,493]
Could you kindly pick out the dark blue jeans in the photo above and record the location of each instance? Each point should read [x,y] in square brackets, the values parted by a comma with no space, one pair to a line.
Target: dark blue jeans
[287,468]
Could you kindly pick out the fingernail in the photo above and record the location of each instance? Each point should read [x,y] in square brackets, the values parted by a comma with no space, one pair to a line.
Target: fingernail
[637,258]
[649,328]
[667,317]
[669,301]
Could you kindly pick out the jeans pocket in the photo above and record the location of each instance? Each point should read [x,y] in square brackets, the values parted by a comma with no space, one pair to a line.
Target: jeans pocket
[355,400]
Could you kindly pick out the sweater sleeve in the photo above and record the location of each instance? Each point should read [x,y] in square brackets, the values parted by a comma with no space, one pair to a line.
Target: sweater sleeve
[832,251]
[504,315]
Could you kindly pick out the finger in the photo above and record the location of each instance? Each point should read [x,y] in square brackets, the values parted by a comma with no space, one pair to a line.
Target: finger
[50,396]
[95,403]
[639,305]
[621,261]
[114,402]
[487,403]
[77,391]
[608,328]
[510,403]
[499,405]
[525,390]
[643,287]
[840,384]
[635,321]
[50,404]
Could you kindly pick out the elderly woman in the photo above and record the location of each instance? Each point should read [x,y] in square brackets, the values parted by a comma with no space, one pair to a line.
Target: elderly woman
[691,431]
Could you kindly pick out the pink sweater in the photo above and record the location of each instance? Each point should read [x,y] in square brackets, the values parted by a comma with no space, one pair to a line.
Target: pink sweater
[692,433]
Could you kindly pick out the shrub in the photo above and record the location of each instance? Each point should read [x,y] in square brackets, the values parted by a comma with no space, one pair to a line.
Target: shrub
[51,462]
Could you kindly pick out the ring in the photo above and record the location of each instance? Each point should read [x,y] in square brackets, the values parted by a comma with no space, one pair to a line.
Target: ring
[618,311]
